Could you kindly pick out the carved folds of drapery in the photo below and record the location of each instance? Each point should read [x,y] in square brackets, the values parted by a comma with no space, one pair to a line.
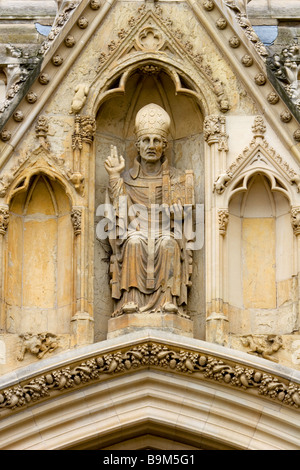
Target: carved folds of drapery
[151,270]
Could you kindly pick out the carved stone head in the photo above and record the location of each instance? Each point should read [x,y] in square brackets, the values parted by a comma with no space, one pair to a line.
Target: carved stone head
[152,126]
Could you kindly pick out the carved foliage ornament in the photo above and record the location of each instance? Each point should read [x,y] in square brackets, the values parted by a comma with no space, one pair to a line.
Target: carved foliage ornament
[76,215]
[286,67]
[95,4]
[223,216]
[215,131]
[85,128]
[60,20]
[157,356]
[5,135]
[240,9]
[4,220]
[221,23]
[208,5]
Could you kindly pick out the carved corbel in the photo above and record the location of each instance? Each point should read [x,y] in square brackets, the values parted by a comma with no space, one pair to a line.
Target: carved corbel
[223,217]
[4,220]
[215,132]
[76,216]
[221,182]
[295,219]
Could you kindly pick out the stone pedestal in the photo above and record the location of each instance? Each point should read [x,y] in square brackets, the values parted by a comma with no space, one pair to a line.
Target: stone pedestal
[217,329]
[82,329]
[130,322]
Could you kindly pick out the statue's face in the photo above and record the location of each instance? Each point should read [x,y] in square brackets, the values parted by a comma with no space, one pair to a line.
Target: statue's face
[151,147]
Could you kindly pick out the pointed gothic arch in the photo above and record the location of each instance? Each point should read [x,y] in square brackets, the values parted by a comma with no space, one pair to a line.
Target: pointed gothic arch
[263,250]
[147,81]
[38,286]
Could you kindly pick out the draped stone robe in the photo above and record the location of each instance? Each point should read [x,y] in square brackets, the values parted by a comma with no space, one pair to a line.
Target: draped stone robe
[147,270]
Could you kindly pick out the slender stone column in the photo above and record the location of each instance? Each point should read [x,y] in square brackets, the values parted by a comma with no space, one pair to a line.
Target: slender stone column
[216,149]
[295,219]
[4,220]
[82,218]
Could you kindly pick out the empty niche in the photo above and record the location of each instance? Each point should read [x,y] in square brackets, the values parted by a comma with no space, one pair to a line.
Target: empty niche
[260,257]
[39,280]
[115,126]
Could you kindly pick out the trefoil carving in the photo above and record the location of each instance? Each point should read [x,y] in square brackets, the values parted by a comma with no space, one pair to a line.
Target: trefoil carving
[149,31]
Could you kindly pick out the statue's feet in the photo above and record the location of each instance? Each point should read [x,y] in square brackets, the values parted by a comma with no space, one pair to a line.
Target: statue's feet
[169,307]
[130,307]
[183,315]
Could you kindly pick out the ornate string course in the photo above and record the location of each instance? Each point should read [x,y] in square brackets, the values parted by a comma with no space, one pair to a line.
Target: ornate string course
[149,355]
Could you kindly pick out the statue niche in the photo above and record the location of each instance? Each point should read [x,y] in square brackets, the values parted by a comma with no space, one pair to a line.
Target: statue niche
[151,261]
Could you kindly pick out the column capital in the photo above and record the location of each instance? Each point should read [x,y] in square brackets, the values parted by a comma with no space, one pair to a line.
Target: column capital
[215,131]
[4,219]
[295,219]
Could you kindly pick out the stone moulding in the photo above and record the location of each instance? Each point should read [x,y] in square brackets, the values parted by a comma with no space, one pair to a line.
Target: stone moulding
[148,354]
[133,41]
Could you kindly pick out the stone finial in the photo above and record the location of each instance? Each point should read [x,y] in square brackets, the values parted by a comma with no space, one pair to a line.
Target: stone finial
[41,131]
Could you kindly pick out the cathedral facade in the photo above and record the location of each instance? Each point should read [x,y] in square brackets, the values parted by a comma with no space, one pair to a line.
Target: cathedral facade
[150,225]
